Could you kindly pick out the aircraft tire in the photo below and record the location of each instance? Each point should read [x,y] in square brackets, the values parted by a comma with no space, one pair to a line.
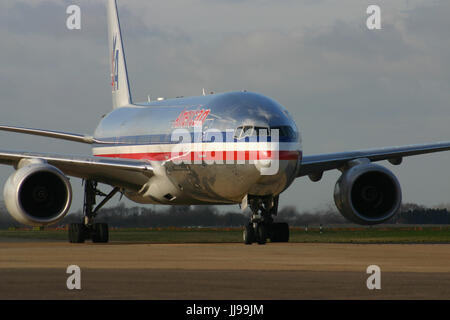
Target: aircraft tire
[100,233]
[249,234]
[279,232]
[76,233]
[261,233]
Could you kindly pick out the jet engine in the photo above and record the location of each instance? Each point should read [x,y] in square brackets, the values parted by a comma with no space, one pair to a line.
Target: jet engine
[368,194]
[37,194]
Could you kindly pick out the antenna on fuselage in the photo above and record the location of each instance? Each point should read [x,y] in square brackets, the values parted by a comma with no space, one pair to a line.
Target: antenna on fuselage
[204,92]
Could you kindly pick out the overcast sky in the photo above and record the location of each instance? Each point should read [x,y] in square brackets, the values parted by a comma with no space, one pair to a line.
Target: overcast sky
[346,86]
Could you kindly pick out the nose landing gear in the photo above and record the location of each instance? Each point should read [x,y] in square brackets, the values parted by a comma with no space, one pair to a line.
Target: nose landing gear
[261,226]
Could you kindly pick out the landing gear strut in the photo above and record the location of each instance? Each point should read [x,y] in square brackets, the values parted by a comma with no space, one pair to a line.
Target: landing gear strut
[97,232]
[261,226]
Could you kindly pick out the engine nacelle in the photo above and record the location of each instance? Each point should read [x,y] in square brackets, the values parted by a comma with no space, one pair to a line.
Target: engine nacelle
[37,194]
[368,194]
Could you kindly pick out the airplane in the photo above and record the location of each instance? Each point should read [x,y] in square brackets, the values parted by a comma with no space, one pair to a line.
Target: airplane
[220,148]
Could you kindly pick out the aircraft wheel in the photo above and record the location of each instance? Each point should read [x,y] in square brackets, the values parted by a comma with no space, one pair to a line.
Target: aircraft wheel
[261,233]
[100,233]
[279,232]
[76,233]
[249,234]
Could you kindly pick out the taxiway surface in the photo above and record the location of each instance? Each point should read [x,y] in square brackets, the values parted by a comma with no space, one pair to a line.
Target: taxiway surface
[37,270]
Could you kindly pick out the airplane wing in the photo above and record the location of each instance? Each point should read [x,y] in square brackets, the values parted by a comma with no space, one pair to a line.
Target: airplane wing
[317,164]
[51,134]
[129,174]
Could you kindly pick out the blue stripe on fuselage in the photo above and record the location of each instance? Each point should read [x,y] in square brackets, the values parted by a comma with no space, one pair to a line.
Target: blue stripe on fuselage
[167,139]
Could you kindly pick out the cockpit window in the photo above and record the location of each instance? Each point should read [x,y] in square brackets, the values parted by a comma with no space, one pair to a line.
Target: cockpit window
[237,132]
[261,131]
[285,132]
[247,131]
[242,132]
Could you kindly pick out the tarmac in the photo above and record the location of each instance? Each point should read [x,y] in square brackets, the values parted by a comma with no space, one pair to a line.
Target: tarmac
[275,271]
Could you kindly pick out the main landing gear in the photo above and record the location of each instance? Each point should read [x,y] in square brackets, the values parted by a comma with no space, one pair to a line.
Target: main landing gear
[261,226]
[97,232]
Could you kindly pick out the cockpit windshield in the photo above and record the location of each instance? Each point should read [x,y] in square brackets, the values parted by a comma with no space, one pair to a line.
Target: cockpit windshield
[247,131]
[285,132]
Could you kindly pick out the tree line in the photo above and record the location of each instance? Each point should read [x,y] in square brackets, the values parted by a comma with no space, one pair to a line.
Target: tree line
[209,216]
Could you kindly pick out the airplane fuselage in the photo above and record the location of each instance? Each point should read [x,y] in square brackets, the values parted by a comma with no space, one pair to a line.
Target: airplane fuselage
[219,161]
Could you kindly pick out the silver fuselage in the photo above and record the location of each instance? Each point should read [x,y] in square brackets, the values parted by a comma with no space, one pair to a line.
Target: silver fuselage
[145,131]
